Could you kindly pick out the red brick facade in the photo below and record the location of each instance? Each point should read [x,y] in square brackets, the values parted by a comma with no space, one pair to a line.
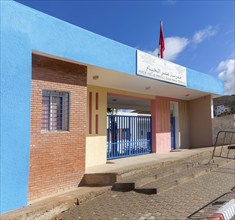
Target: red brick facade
[57,159]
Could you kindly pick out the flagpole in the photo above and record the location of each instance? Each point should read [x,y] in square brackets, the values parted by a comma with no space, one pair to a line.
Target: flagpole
[159,45]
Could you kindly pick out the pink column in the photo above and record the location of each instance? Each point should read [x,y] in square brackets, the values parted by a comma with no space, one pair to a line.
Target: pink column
[161,134]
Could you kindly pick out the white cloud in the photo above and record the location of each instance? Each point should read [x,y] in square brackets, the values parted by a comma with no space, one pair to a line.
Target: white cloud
[204,34]
[174,46]
[226,71]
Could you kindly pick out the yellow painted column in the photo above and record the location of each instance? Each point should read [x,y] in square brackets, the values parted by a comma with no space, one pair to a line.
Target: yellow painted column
[96,140]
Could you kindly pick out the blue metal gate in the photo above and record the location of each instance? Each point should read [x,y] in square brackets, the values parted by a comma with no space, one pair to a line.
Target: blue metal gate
[173,133]
[128,136]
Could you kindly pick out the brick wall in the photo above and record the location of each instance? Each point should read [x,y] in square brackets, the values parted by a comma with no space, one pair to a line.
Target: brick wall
[57,159]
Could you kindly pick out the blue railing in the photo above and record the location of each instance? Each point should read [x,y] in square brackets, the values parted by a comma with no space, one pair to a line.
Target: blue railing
[128,136]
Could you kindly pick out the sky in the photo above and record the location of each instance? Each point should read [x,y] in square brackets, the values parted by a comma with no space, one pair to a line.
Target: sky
[199,34]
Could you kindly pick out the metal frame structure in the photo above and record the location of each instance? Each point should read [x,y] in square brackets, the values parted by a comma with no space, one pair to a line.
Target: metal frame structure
[223,140]
[128,136]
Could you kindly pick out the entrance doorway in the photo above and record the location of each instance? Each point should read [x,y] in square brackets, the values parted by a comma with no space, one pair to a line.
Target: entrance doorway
[174,120]
[128,136]
[129,126]
[173,146]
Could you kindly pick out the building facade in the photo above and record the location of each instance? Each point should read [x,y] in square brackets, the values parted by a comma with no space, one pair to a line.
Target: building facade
[57,81]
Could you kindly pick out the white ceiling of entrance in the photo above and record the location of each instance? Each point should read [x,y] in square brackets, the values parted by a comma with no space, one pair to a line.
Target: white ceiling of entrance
[121,102]
[138,84]
[116,80]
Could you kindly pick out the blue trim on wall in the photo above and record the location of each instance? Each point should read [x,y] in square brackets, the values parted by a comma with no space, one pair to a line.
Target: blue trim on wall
[71,42]
[23,30]
[204,82]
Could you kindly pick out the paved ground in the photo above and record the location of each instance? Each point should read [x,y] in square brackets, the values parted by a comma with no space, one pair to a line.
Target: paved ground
[191,200]
[46,208]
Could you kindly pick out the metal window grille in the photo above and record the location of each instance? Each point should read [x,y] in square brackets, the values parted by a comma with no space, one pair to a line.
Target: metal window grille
[55,111]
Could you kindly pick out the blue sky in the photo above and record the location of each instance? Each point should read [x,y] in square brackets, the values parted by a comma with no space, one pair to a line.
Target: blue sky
[198,34]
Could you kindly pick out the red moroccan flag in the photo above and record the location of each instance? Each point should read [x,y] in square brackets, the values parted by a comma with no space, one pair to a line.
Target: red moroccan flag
[161,42]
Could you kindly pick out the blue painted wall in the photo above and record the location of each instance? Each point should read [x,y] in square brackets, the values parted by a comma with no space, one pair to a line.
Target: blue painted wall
[53,36]
[204,82]
[15,115]
[22,31]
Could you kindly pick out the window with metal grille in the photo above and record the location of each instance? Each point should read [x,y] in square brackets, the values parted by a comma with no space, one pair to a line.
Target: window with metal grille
[55,111]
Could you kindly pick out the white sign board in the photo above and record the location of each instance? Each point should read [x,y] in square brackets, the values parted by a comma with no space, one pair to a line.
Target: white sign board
[156,68]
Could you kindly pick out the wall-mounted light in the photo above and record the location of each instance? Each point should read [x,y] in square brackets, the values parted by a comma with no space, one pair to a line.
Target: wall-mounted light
[147,87]
[95,77]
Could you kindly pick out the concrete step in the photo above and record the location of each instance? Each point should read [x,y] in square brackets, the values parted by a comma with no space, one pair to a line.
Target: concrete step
[154,173]
[147,172]
[142,169]
[132,174]
[166,178]
[171,181]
